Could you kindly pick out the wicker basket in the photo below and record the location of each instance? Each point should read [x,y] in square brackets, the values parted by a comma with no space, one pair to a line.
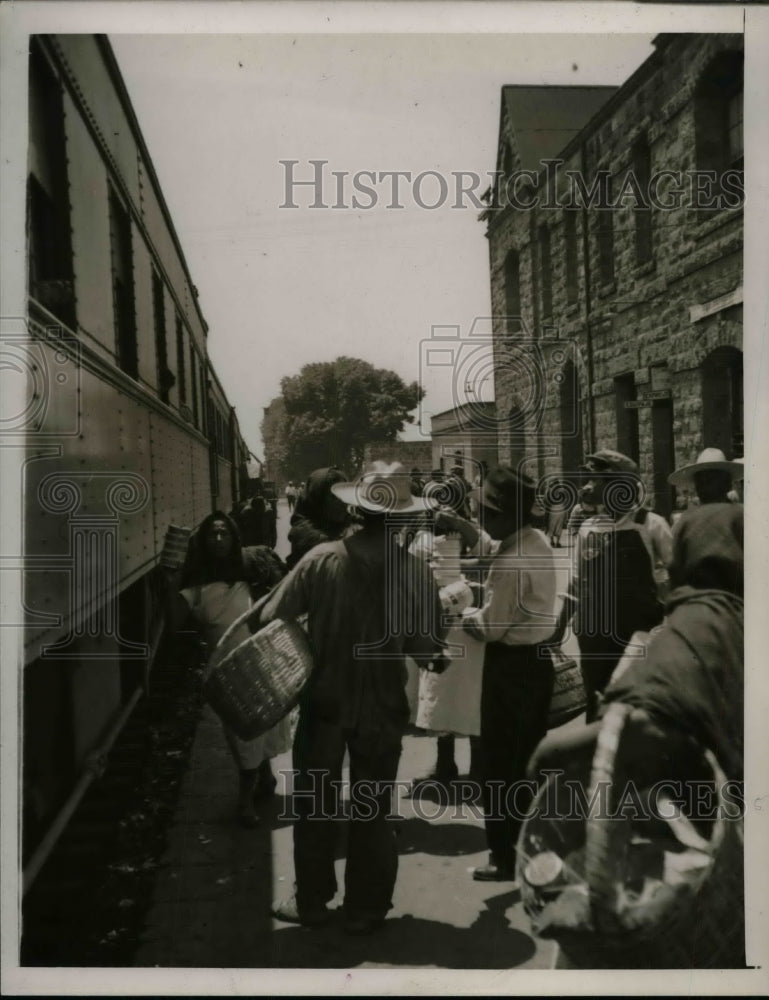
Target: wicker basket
[569,699]
[579,886]
[254,684]
[175,547]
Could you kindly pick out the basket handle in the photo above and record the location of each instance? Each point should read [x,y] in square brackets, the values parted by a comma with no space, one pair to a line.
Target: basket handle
[606,837]
[220,649]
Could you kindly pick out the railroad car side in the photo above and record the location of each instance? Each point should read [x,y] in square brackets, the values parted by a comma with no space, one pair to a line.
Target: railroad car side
[121,446]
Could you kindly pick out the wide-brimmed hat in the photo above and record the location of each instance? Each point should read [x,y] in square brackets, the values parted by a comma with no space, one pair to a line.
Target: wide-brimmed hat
[710,459]
[383,489]
[505,490]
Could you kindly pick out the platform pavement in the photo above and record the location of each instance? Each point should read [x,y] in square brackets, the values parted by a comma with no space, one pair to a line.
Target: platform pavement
[217,880]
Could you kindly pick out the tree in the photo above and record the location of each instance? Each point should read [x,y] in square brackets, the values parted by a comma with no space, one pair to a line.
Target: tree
[332,409]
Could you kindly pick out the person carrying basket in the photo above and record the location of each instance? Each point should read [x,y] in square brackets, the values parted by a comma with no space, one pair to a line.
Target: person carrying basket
[353,591]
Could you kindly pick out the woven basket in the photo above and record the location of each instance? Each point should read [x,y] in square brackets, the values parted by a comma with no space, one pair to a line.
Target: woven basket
[254,684]
[175,546]
[696,923]
[569,699]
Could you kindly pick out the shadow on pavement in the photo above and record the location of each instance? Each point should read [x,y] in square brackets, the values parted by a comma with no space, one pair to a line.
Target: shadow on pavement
[489,943]
[444,839]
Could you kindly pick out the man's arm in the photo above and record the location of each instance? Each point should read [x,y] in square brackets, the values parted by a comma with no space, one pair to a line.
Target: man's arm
[291,598]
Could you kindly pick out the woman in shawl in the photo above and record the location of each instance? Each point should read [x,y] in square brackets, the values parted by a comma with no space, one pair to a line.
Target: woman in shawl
[218,583]
[319,516]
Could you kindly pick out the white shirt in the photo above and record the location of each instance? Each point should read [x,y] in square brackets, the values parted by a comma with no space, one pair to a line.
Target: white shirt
[520,591]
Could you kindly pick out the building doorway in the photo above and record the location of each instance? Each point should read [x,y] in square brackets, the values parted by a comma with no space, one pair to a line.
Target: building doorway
[722,401]
[663,456]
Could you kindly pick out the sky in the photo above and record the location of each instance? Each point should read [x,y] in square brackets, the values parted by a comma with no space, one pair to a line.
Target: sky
[281,287]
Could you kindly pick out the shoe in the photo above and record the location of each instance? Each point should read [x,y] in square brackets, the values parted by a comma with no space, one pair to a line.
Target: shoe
[493,873]
[440,776]
[288,911]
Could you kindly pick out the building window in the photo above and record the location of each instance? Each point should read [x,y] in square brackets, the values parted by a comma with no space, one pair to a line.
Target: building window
[642,215]
[546,268]
[718,121]
[180,360]
[605,239]
[123,286]
[49,259]
[513,292]
[627,416]
[572,257]
[193,390]
[722,401]
[164,375]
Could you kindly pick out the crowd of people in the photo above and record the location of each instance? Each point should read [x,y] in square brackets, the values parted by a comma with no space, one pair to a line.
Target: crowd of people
[360,578]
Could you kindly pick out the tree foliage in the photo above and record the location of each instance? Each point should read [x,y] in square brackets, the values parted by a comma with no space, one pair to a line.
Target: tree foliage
[331,410]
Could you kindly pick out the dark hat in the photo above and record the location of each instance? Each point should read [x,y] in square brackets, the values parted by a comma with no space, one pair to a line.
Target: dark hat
[607,460]
[506,490]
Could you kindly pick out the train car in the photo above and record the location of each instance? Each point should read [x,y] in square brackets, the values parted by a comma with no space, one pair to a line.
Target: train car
[129,431]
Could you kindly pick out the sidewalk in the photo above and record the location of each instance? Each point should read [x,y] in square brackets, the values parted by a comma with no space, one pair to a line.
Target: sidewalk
[212,901]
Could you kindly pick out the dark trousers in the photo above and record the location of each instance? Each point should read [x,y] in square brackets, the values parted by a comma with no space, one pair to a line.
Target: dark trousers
[372,857]
[598,656]
[515,698]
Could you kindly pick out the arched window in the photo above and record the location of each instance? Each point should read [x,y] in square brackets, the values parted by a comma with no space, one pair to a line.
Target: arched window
[513,292]
[722,417]
[718,116]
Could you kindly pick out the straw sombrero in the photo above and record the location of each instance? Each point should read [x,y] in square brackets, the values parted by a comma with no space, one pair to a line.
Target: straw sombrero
[383,489]
[707,460]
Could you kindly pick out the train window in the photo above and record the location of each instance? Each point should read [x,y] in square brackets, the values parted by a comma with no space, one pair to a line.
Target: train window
[49,256]
[194,384]
[164,374]
[180,360]
[123,287]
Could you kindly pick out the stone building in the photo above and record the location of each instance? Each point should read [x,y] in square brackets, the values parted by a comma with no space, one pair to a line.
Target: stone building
[615,233]
[465,436]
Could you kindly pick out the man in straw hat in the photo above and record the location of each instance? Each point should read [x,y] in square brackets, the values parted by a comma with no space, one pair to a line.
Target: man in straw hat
[612,586]
[711,476]
[369,604]
[517,613]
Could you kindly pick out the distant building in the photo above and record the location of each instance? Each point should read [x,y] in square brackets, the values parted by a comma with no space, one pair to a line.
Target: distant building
[412,454]
[465,435]
[617,289]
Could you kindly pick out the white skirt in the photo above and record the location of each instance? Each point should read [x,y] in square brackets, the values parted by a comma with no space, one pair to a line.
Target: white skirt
[449,702]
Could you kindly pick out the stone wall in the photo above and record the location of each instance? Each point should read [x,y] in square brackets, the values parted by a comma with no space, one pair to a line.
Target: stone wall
[648,324]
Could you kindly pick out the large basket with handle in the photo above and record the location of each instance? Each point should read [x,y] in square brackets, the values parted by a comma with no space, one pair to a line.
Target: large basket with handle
[254,683]
[617,891]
